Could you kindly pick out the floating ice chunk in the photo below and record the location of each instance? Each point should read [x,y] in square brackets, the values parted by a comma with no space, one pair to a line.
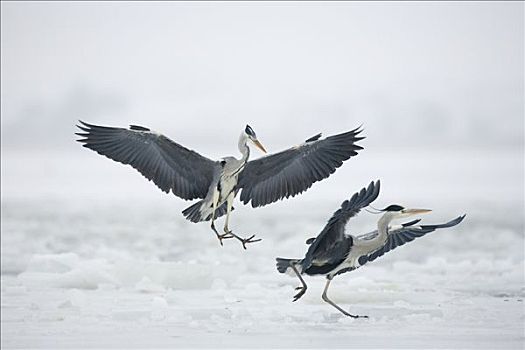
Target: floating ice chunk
[159,308]
[146,285]
[131,315]
[65,305]
[419,317]
[401,304]
[175,275]
[77,298]
[65,271]
[219,284]
[57,263]
[15,290]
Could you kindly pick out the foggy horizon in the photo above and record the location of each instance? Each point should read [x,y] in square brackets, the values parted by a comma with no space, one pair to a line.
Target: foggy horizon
[434,75]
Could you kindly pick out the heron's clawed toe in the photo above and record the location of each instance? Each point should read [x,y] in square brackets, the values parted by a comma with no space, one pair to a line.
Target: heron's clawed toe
[353,316]
[244,241]
[227,235]
[224,236]
[300,294]
[249,240]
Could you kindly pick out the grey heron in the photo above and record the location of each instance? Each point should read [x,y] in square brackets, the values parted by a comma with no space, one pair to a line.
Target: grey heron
[189,175]
[334,252]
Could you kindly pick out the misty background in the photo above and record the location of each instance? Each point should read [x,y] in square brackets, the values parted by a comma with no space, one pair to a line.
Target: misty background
[437,87]
[414,74]
[424,77]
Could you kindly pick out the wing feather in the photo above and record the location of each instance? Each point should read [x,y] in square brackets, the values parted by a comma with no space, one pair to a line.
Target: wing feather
[333,233]
[169,165]
[405,234]
[293,171]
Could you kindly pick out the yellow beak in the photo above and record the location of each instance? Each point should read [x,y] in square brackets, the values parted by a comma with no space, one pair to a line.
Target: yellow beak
[259,145]
[416,211]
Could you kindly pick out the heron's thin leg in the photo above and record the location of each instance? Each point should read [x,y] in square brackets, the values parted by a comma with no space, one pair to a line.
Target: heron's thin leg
[325,298]
[215,199]
[229,202]
[303,287]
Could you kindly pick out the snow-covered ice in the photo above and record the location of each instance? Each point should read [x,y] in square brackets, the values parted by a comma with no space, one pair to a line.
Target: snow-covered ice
[94,256]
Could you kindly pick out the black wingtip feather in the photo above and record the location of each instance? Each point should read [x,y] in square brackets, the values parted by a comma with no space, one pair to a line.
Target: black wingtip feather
[83,128]
[314,138]
[411,223]
[310,240]
[138,128]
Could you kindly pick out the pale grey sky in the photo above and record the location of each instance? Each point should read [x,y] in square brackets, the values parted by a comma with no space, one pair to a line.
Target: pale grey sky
[414,74]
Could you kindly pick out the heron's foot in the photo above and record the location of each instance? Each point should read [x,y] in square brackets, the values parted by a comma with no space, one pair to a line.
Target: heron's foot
[223,236]
[244,241]
[353,316]
[220,237]
[297,296]
[249,240]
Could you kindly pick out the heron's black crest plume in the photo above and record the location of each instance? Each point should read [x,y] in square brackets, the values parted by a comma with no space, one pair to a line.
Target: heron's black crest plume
[377,211]
[249,130]
[393,207]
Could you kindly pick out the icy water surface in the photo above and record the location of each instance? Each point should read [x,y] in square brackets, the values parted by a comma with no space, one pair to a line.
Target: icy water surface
[95,260]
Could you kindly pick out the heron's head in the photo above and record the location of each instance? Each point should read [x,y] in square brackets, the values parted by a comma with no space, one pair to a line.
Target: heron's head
[396,211]
[250,134]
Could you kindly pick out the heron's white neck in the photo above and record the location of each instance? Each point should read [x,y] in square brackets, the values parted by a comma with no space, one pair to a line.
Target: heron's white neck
[243,147]
[382,225]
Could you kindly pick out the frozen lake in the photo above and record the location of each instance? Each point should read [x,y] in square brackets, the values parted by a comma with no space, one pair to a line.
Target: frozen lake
[94,256]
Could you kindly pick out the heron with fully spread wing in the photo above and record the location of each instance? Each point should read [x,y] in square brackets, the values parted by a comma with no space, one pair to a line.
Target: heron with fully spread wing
[189,175]
[333,252]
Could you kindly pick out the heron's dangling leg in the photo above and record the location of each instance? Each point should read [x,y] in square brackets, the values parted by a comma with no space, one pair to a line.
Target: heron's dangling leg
[229,203]
[325,298]
[220,237]
[303,287]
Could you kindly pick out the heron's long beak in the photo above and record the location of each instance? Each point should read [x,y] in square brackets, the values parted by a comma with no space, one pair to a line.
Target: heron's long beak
[416,211]
[259,145]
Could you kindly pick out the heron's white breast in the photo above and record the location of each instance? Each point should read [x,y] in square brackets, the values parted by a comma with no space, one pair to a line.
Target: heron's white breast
[350,261]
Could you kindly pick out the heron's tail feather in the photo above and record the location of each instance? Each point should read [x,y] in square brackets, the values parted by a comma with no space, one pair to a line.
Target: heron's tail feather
[196,212]
[284,264]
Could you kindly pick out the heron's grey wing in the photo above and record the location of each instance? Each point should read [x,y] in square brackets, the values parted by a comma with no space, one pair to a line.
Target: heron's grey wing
[334,232]
[324,263]
[169,165]
[406,233]
[290,172]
